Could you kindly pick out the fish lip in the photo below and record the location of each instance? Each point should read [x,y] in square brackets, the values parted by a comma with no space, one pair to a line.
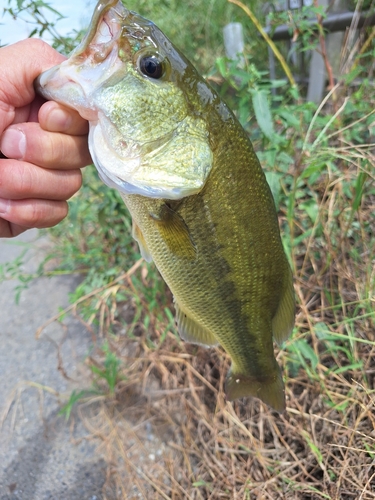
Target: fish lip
[99,44]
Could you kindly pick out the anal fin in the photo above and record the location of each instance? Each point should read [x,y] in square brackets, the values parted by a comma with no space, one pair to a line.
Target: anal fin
[191,331]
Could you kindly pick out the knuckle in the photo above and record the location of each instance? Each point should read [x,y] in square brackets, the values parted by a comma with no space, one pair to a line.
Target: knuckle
[61,211]
[51,151]
[69,183]
[24,179]
[6,178]
[35,44]
[43,214]
[42,148]
[32,215]
[16,179]
[46,54]
[57,151]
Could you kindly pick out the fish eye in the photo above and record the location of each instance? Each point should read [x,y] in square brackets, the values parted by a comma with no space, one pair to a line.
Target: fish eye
[151,66]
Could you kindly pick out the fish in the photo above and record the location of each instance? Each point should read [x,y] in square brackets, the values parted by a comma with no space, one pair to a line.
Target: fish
[199,200]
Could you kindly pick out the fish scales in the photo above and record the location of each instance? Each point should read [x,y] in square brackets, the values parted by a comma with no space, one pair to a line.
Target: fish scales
[200,203]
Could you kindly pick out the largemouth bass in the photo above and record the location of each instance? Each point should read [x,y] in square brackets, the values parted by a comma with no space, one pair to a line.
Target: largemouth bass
[200,203]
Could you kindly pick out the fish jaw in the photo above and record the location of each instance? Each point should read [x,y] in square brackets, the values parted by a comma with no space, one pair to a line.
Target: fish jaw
[123,172]
[75,81]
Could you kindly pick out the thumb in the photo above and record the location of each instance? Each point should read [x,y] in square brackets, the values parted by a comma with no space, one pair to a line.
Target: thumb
[20,64]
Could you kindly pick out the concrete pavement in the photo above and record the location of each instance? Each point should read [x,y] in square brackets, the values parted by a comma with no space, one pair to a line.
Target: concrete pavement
[41,457]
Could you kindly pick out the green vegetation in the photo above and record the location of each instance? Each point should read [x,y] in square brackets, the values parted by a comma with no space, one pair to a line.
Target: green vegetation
[319,162]
[195,30]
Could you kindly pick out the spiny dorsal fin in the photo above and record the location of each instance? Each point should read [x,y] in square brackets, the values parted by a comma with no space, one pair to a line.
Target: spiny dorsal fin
[138,236]
[190,331]
[174,232]
[283,321]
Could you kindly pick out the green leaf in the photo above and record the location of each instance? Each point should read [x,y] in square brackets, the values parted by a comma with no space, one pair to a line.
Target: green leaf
[290,119]
[313,168]
[313,447]
[263,112]
[353,74]
[201,482]
[311,208]
[273,179]
[323,332]
[347,368]
[73,399]
[307,352]
[361,179]
[222,66]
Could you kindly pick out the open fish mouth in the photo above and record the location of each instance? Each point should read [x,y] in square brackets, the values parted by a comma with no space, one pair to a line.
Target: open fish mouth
[92,62]
[105,30]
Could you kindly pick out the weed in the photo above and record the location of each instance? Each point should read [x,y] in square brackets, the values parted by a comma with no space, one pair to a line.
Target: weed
[74,398]
[110,373]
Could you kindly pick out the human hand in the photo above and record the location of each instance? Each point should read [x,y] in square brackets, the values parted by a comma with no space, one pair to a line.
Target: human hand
[45,143]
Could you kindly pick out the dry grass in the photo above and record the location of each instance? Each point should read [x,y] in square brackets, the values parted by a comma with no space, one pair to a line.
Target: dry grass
[212,449]
[161,415]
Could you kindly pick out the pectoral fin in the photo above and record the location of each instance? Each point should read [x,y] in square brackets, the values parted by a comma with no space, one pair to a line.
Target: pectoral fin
[190,331]
[270,389]
[138,236]
[283,321]
[174,232]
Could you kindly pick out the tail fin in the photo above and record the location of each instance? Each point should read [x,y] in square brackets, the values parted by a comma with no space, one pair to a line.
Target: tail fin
[269,389]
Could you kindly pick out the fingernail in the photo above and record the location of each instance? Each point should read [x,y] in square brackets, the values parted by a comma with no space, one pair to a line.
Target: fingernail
[58,120]
[13,143]
[4,206]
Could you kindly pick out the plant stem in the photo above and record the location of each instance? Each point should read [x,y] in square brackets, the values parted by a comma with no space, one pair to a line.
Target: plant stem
[270,43]
[323,49]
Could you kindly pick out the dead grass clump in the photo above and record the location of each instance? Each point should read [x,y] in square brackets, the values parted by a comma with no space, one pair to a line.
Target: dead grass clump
[169,433]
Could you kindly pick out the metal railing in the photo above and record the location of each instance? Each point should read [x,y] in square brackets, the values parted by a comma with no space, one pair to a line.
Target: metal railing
[331,24]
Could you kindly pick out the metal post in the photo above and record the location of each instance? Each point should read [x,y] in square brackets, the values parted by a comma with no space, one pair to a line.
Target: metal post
[317,73]
[234,42]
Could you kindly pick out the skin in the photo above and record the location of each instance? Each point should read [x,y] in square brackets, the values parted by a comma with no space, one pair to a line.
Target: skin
[45,143]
